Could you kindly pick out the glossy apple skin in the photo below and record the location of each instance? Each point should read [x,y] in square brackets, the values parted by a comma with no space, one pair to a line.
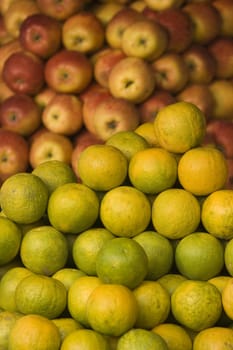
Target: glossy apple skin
[222,51]
[225,10]
[41,35]
[23,72]
[20,113]
[60,10]
[14,154]
[221,134]
[6,50]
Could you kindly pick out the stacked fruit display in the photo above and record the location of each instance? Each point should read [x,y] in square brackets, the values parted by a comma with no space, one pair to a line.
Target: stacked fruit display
[75,72]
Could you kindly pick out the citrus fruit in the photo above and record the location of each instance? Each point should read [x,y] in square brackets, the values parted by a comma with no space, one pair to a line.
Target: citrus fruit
[78,295]
[34,331]
[86,339]
[73,208]
[153,170]
[54,173]
[128,142]
[122,261]
[171,281]
[44,250]
[159,253]
[219,281]
[24,198]
[147,131]
[66,325]
[8,286]
[102,167]
[68,275]
[41,295]
[175,336]
[7,321]
[125,211]
[111,309]
[196,168]
[227,298]
[199,256]
[10,240]
[141,339]
[86,247]
[180,126]
[217,214]
[228,256]
[175,213]
[189,301]
[214,338]
[153,304]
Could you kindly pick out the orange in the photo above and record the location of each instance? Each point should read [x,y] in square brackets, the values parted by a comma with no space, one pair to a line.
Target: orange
[86,339]
[86,247]
[102,167]
[227,298]
[7,321]
[147,131]
[122,261]
[175,213]
[189,301]
[24,198]
[66,325]
[159,253]
[199,256]
[179,127]
[10,240]
[78,295]
[153,304]
[112,309]
[152,170]
[44,250]
[34,331]
[196,168]
[220,281]
[141,339]
[217,214]
[125,211]
[68,275]
[73,208]
[41,295]
[175,336]
[228,256]
[171,281]
[220,338]
[54,173]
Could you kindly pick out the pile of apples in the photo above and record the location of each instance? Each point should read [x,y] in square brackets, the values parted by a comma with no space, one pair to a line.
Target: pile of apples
[74,72]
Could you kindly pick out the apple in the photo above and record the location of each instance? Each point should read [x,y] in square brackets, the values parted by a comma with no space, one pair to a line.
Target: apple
[5,91]
[132,79]
[159,5]
[104,62]
[150,107]
[170,72]
[47,145]
[16,13]
[145,39]
[113,115]
[222,91]
[63,114]
[200,95]
[62,9]
[117,25]
[222,50]
[44,96]
[200,63]
[83,32]
[225,10]
[68,71]
[177,24]
[4,4]
[20,113]
[206,21]
[41,35]
[104,11]
[5,37]
[138,5]
[23,72]
[14,154]
[6,50]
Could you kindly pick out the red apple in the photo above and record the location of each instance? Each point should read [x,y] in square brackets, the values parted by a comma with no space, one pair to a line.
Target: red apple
[5,91]
[68,71]
[149,108]
[83,32]
[200,63]
[14,154]
[6,50]
[41,35]
[44,96]
[63,114]
[46,145]
[23,72]
[20,113]
[225,9]
[222,51]
[177,24]
[222,91]
[61,9]
[220,132]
